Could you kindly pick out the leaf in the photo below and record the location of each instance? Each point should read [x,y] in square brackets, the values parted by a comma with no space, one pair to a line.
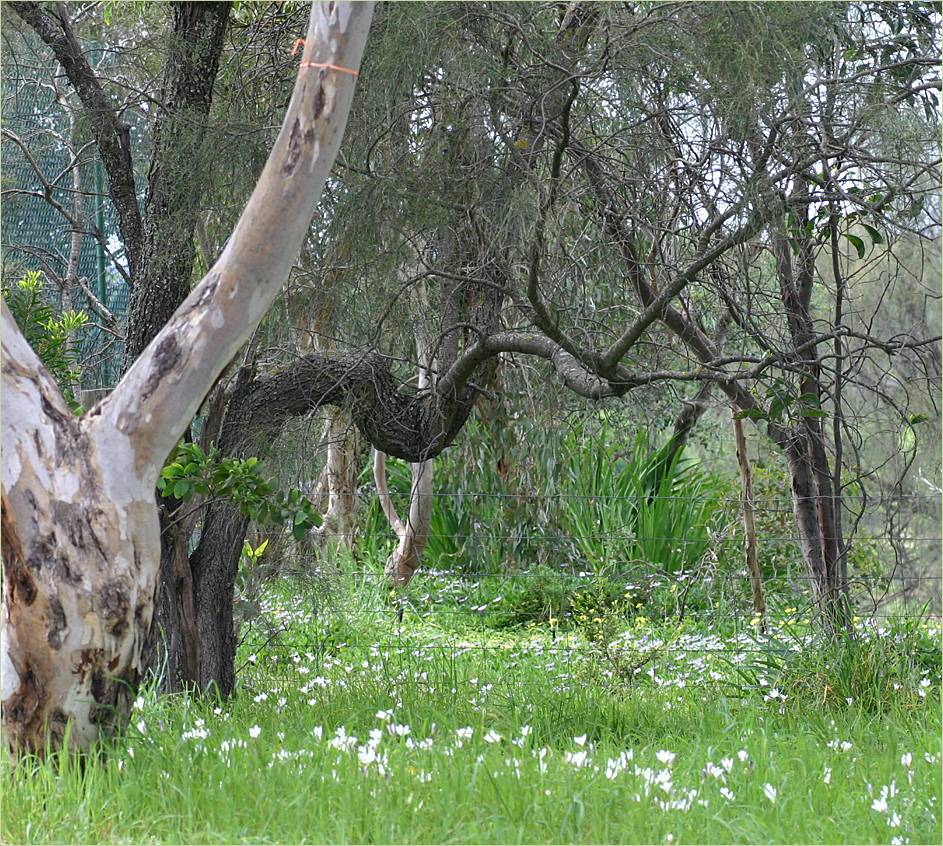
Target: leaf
[750,414]
[876,237]
[299,530]
[857,243]
[181,488]
[810,400]
[260,549]
[776,408]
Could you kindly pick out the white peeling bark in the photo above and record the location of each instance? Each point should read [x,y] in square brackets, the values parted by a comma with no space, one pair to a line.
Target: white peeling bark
[413,536]
[336,494]
[338,483]
[81,548]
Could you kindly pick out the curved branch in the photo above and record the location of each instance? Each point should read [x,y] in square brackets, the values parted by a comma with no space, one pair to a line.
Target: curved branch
[383,492]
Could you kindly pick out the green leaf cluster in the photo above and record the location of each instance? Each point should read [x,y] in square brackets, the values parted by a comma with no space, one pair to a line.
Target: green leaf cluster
[49,335]
[192,470]
[783,405]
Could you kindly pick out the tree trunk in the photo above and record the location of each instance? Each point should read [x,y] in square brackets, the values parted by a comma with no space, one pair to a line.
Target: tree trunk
[413,535]
[813,497]
[215,563]
[337,486]
[163,275]
[80,552]
[81,543]
[339,517]
[749,524]
[170,651]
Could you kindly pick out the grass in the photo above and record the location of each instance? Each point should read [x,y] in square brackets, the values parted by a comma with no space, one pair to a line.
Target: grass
[356,727]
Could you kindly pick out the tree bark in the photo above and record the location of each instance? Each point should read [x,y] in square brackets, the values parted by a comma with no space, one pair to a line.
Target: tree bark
[813,497]
[337,486]
[413,535]
[159,246]
[749,523]
[339,518]
[81,546]
[163,275]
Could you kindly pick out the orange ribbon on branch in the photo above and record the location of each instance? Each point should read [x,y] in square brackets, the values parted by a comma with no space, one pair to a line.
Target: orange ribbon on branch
[301,43]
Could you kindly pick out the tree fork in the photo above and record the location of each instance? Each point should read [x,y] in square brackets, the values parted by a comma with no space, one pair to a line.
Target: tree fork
[81,545]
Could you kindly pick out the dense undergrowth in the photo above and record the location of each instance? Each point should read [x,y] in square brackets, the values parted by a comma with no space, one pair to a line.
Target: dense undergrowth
[464,712]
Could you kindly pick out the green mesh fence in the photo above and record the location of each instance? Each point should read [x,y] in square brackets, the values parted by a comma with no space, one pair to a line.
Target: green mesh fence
[36,236]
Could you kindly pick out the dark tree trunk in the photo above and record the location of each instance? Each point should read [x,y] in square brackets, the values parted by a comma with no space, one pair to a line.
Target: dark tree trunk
[215,564]
[159,245]
[162,279]
[813,497]
[171,646]
[411,426]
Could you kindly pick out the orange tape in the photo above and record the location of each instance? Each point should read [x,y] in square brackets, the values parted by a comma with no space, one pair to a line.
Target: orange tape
[330,67]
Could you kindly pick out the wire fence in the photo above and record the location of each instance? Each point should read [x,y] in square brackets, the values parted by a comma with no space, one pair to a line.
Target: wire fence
[34,235]
[466,605]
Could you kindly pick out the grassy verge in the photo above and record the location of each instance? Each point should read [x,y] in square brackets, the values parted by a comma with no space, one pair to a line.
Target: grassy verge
[357,727]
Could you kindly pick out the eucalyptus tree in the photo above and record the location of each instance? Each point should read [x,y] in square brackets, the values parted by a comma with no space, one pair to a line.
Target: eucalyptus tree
[81,547]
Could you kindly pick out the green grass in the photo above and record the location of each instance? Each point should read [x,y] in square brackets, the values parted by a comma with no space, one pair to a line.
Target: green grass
[303,752]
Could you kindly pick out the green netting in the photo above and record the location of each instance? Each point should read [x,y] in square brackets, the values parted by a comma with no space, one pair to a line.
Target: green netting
[35,236]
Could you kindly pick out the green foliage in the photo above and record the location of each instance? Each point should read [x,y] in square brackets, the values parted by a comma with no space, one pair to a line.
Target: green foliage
[510,740]
[881,672]
[570,503]
[541,595]
[642,510]
[774,522]
[783,405]
[49,335]
[191,471]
